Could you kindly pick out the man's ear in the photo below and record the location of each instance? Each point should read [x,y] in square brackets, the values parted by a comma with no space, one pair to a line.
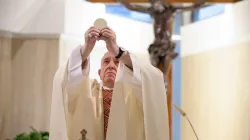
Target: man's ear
[99,72]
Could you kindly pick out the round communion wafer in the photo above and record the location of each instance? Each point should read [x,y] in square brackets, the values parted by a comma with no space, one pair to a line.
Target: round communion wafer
[100,23]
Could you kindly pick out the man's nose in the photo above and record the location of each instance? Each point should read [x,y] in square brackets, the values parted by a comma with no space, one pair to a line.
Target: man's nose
[111,65]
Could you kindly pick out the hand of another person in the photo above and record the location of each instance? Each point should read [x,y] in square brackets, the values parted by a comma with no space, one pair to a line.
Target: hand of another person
[108,35]
[91,36]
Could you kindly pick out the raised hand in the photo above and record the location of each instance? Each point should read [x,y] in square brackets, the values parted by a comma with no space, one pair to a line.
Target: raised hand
[91,36]
[109,36]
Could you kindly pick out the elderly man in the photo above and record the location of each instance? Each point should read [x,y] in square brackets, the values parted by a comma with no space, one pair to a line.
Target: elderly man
[129,103]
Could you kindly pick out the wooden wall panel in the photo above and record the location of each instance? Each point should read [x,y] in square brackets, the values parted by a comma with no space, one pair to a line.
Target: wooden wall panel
[216,93]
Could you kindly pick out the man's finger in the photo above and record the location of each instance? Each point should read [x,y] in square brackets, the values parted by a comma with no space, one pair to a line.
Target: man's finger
[104,38]
[108,28]
[93,34]
[90,30]
[94,30]
[93,38]
[108,31]
[92,27]
[108,35]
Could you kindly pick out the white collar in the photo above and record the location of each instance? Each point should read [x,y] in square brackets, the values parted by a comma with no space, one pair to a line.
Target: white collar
[107,88]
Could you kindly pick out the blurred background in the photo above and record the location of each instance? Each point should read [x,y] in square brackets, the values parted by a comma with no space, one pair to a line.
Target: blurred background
[210,78]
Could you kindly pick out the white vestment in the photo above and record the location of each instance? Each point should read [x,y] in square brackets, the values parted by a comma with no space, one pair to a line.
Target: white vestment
[138,108]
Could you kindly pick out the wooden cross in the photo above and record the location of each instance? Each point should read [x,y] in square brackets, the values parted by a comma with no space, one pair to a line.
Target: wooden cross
[162,49]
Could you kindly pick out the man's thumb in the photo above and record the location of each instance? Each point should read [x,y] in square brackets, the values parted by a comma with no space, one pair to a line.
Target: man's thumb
[103,38]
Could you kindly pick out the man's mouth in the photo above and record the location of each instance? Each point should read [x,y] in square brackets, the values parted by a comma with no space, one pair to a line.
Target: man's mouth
[110,73]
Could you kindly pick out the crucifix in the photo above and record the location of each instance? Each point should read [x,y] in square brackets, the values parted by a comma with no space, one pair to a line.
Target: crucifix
[163,13]
[162,49]
[83,133]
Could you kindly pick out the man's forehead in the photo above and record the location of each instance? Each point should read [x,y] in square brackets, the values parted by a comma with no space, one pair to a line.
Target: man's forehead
[107,55]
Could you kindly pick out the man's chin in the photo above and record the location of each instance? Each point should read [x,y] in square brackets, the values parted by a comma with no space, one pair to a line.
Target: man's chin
[110,80]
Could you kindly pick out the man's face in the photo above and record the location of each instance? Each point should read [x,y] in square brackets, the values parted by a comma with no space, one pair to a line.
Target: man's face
[108,70]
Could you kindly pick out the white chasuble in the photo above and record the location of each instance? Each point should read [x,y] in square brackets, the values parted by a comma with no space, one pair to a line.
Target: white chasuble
[138,112]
